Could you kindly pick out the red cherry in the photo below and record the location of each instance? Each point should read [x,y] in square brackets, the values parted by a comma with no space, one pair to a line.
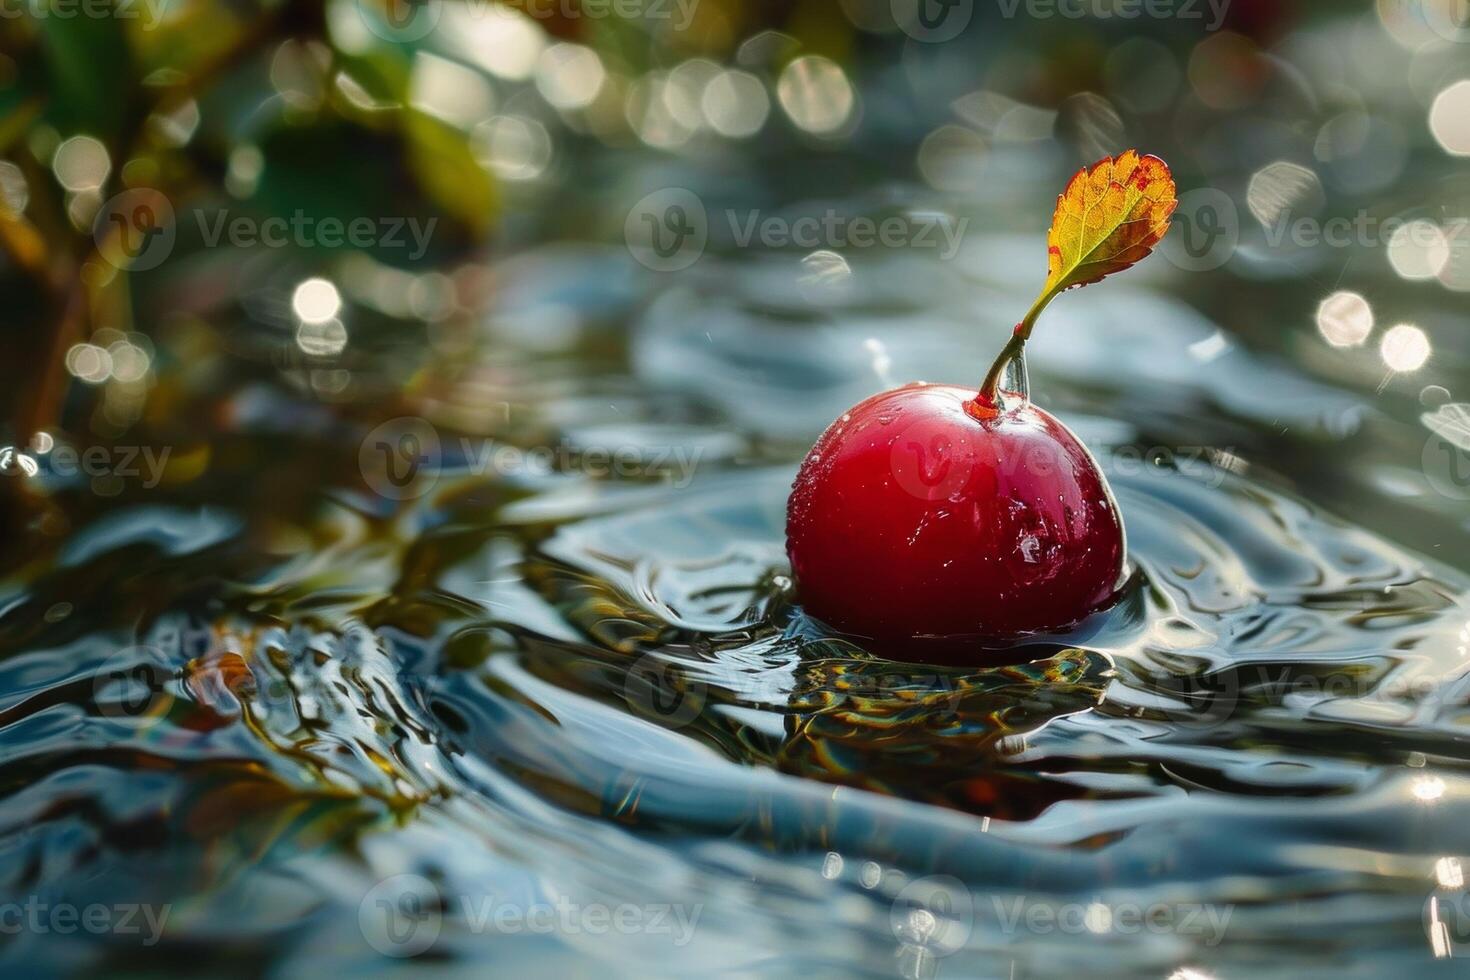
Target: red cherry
[925,519]
[930,521]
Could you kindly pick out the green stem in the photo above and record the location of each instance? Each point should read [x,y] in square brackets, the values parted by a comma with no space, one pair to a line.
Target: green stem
[990,388]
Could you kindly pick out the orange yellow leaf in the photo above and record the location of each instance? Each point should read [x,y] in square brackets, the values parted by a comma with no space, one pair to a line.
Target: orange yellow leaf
[1111,215]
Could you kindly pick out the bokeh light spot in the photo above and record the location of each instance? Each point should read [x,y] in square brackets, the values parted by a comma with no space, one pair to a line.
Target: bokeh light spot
[735,104]
[81,164]
[1345,319]
[816,94]
[316,300]
[513,147]
[1418,250]
[89,363]
[1449,118]
[569,76]
[1405,348]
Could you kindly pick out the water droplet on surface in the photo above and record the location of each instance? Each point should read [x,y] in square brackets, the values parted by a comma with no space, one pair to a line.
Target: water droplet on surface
[15,463]
[1015,383]
[1433,396]
[1428,789]
[1030,548]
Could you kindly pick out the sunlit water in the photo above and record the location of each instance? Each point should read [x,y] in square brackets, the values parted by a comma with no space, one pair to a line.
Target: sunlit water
[546,718]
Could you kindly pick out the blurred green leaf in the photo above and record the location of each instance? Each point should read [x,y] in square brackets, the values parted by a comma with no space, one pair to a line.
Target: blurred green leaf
[16,115]
[89,74]
[382,72]
[448,172]
[340,170]
[194,34]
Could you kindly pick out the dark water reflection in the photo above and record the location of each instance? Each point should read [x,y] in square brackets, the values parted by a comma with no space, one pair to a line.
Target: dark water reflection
[331,731]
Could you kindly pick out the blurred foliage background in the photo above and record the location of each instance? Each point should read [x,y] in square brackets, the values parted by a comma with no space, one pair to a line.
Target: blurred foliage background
[493,128]
[241,235]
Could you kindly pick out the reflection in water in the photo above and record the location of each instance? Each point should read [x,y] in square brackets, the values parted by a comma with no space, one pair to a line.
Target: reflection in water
[940,735]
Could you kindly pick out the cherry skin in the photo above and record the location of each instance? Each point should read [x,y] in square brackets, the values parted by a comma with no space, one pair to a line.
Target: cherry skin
[925,521]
